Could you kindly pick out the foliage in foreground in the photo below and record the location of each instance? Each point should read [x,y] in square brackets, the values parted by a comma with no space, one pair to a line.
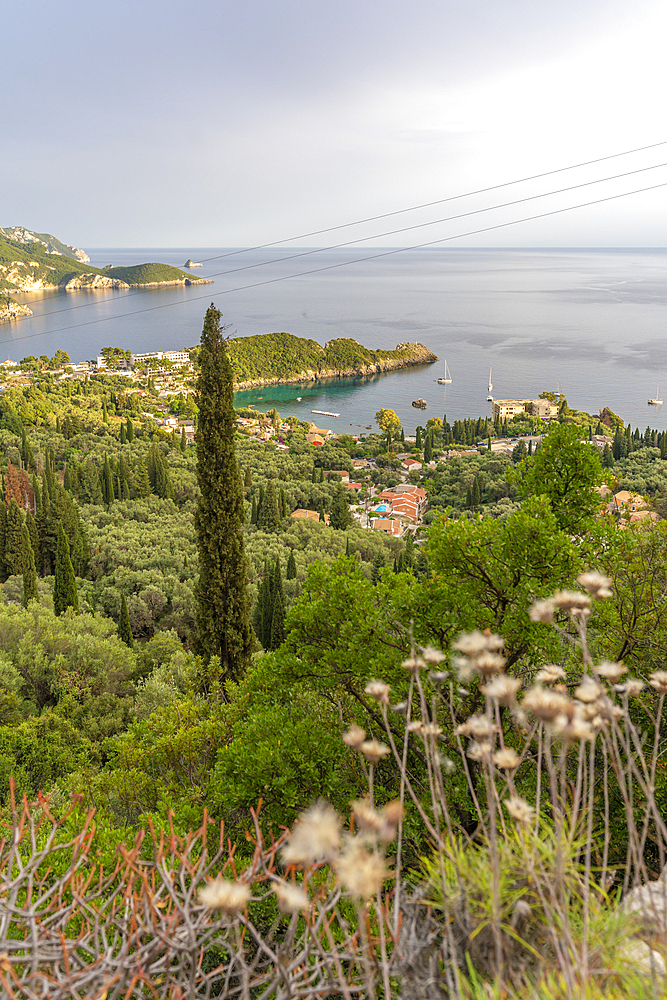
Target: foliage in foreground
[516,904]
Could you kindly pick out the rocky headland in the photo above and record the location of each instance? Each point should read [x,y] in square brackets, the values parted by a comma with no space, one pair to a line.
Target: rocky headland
[12,310]
[410,355]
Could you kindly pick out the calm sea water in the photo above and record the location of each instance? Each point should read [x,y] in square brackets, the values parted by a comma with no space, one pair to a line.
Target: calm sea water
[592,322]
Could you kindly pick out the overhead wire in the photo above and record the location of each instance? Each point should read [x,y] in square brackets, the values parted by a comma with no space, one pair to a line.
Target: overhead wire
[405,229]
[347,263]
[386,215]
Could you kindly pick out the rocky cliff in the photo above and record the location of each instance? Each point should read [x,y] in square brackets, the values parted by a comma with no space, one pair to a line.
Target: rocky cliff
[18,234]
[11,310]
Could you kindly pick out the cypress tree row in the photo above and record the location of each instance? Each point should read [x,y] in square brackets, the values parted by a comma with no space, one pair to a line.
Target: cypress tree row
[64,586]
[223,613]
[29,573]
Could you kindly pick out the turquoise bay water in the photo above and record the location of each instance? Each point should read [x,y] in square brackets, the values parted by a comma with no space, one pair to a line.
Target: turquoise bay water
[590,321]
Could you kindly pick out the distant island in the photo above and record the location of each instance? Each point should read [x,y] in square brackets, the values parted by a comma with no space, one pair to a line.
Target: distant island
[31,261]
[192,263]
[276,358]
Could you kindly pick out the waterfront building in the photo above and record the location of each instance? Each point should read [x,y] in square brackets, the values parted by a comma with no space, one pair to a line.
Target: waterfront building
[505,409]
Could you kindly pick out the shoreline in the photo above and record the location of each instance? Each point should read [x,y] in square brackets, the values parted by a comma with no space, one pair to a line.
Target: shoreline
[423,357]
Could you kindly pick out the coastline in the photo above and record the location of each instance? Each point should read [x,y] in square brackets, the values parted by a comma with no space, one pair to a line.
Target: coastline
[421,356]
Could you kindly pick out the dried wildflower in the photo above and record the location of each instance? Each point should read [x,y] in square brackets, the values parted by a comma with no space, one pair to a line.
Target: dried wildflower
[658,680]
[401,708]
[546,704]
[477,726]
[520,810]
[431,729]
[439,676]
[549,674]
[378,690]
[543,611]
[361,872]
[479,751]
[588,691]
[502,689]
[432,655]
[577,728]
[368,819]
[291,898]
[610,671]
[572,601]
[354,737]
[464,668]
[471,643]
[414,663]
[489,663]
[223,894]
[632,687]
[506,758]
[374,751]
[447,764]
[596,584]
[414,727]
[391,816]
[315,835]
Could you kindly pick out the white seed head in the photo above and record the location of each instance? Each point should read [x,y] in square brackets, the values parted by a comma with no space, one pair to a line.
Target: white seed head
[489,663]
[378,690]
[546,704]
[315,836]
[291,898]
[414,663]
[354,737]
[572,601]
[658,680]
[367,818]
[520,810]
[223,894]
[596,584]
[610,671]
[431,729]
[374,751]
[502,689]
[432,655]
[550,674]
[477,726]
[415,726]
[543,611]
[632,687]
[506,758]
[479,751]
[588,691]
[362,872]
[392,814]
[471,643]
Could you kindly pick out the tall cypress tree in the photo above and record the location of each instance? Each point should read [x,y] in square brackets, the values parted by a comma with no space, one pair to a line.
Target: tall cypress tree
[278,615]
[64,586]
[223,612]
[29,574]
[124,628]
[14,540]
[290,572]
[130,431]
[123,435]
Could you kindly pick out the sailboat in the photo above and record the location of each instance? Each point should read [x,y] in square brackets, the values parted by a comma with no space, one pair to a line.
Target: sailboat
[446,378]
[657,401]
[489,398]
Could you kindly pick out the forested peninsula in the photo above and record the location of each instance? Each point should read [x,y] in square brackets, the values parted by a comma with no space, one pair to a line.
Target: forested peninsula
[32,261]
[276,358]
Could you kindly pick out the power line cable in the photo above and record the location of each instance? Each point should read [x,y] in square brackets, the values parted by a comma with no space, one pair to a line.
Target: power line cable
[401,211]
[405,229]
[440,201]
[347,263]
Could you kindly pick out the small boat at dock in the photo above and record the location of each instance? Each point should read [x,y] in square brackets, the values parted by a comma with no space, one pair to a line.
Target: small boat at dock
[325,413]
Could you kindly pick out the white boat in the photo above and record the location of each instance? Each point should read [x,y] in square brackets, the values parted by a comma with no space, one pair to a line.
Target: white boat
[299,398]
[446,378]
[657,401]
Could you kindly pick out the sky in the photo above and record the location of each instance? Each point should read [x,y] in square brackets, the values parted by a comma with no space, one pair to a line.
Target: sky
[234,123]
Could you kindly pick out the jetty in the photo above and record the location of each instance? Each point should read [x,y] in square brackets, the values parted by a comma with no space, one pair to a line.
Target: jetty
[325,413]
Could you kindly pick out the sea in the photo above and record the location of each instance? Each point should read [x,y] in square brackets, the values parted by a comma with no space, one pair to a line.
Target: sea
[590,323]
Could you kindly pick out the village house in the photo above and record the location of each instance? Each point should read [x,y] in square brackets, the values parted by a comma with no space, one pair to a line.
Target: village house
[390,526]
[345,476]
[411,465]
[309,515]
[505,409]
[626,503]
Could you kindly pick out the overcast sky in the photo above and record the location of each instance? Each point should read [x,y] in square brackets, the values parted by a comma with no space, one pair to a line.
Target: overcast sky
[238,122]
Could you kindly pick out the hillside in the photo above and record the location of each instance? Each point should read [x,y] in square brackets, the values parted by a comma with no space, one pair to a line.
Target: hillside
[281,357]
[31,266]
[18,234]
